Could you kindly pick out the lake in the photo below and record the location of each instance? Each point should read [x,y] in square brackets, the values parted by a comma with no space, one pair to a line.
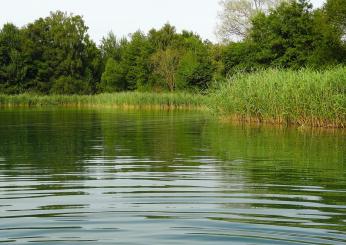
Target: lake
[71,176]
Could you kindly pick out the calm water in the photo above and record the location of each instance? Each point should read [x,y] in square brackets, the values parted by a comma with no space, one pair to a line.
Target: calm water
[106,177]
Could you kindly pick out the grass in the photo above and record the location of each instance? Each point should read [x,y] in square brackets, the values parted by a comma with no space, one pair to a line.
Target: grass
[124,100]
[305,98]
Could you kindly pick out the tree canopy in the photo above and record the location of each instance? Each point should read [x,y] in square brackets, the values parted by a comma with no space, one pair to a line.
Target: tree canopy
[235,17]
[56,55]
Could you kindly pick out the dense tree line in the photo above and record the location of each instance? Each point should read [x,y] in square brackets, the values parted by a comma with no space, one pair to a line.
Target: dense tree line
[291,36]
[51,55]
[161,59]
[56,55]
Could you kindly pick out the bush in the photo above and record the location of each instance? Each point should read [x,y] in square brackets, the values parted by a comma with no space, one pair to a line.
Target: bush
[70,85]
[113,78]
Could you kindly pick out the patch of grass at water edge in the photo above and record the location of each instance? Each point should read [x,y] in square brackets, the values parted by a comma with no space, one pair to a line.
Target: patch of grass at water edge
[305,98]
[123,99]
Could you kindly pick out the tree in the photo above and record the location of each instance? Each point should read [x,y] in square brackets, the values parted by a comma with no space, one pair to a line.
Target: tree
[136,61]
[60,46]
[187,69]
[196,67]
[328,46]
[336,11]
[113,78]
[70,85]
[291,36]
[165,65]
[163,38]
[244,56]
[235,17]
[111,47]
[13,63]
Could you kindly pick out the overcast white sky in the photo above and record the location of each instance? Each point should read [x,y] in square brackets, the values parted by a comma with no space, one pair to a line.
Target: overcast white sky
[122,16]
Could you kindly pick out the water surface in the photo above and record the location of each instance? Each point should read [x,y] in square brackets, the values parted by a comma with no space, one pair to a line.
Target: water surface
[104,177]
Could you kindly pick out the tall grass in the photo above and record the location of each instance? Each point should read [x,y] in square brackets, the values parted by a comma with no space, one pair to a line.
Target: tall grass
[124,99]
[303,97]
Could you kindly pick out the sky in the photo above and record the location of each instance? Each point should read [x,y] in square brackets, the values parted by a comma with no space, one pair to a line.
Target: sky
[122,16]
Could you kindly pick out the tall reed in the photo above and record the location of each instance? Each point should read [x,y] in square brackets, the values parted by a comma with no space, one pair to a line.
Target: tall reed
[124,99]
[305,97]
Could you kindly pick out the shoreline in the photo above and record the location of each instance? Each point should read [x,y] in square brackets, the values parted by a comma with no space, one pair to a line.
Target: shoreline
[303,123]
[159,101]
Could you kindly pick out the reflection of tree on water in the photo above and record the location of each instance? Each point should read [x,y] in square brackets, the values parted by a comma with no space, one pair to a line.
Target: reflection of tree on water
[47,142]
[157,138]
[297,174]
[246,170]
[62,141]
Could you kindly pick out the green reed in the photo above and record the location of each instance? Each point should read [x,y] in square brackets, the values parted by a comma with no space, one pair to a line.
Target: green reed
[306,97]
[123,99]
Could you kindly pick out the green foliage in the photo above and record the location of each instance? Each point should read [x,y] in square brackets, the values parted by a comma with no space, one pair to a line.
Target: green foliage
[113,78]
[56,55]
[293,35]
[158,61]
[110,47]
[37,55]
[13,67]
[303,97]
[336,12]
[70,85]
[122,99]
[286,36]
[328,48]
[165,65]
[196,67]
[186,69]
[135,61]
[163,38]
[243,57]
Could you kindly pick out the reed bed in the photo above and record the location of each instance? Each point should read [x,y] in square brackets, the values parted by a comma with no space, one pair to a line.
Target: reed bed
[305,98]
[123,99]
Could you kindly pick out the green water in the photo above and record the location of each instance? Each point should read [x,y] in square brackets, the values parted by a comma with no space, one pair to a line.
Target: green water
[111,177]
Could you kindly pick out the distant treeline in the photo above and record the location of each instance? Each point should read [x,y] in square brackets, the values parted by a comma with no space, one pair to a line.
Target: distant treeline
[55,55]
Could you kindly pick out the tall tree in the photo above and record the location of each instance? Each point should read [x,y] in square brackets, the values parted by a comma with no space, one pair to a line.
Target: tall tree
[289,36]
[113,78]
[60,47]
[163,38]
[336,11]
[235,17]
[136,61]
[165,63]
[13,62]
[196,67]
[111,47]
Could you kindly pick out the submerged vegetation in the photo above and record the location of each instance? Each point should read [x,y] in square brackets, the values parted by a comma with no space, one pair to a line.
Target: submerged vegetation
[278,71]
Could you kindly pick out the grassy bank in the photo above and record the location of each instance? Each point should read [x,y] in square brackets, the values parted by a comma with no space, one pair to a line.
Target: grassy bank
[306,98]
[124,100]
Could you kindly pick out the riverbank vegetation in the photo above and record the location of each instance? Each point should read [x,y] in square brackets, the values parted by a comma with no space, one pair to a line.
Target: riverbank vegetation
[178,100]
[285,55]
[305,97]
